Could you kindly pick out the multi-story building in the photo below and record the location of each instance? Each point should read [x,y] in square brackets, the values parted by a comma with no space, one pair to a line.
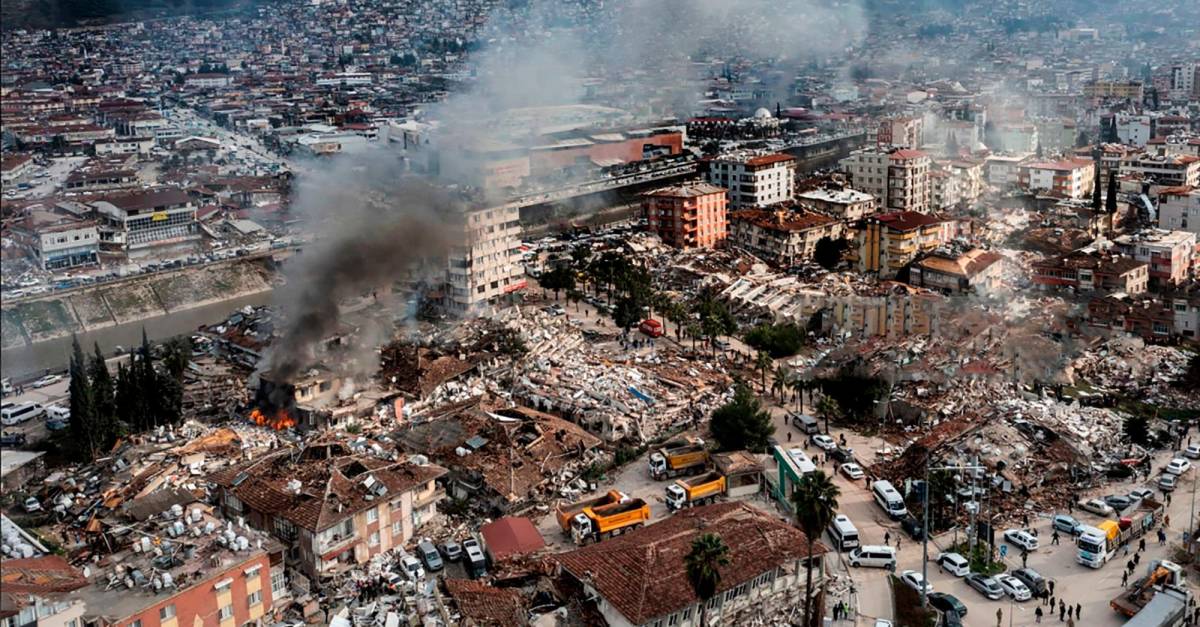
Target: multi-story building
[1014,137]
[333,508]
[842,203]
[1170,254]
[769,563]
[486,265]
[687,215]
[1179,209]
[1125,90]
[146,218]
[13,167]
[1063,179]
[885,243]
[969,175]
[781,236]
[1003,170]
[1164,170]
[1173,314]
[1092,270]
[98,180]
[903,132]
[944,190]
[754,179]
[898,177]
[67,242]
[976,270]
[208,80]
[1134,129]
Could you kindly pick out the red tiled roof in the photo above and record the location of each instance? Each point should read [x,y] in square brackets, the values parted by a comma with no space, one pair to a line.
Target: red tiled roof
[783,220]
[40,575]
[907,220]
[642,573]
[487,605]
[906,153]
[769,159]
[511,536]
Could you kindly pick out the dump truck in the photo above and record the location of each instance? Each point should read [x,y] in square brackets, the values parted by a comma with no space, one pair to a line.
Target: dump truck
[695,491]
[1162,574]
[1168,608]
[679,457]
[566,512]
[1148,513]
[597,523]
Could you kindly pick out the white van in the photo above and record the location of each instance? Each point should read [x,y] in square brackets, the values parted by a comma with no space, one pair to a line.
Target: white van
[843,533]
[58,412]
[16,414]
[874,557]
[889,499]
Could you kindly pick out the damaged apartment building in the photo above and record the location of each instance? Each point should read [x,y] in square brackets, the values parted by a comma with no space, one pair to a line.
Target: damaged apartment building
[334,508]
[502,459]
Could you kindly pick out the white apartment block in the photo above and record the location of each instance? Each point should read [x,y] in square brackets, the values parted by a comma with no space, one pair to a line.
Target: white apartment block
[1134,130]
[1179,210]
[899,178]
[487,265]
[754,179]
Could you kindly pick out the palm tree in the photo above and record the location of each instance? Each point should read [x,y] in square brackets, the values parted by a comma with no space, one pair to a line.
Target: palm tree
[709,553]
[798,386]
[783,379]
[828,408]
[763,362]
[815,501]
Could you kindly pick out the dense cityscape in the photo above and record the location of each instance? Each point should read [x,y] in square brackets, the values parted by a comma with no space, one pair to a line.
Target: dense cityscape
[573,312]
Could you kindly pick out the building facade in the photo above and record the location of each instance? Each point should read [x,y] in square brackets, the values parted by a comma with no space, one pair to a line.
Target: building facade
[68,244]
[1179,209]
[1063,179]
[885,243]
[1171,255]
[976,270]
[899,178]
[754,179]
[147,218]
[1090,270]
[687,216]
[781,236]
[486,266]
[1165,170]
[843,204]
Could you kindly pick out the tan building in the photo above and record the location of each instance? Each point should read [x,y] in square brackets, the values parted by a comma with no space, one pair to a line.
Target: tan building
[781,236]
[334,508]
[899,178]
[1069,178]
[976,270]
[906,132]
[842,203]
[754,178]
[487,266]
[885,243]
[687,216]
[1131,90]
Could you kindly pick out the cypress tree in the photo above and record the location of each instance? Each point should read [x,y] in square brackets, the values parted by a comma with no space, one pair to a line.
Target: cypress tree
[1096,190]
[104,401]
[82,403]
[1110,203]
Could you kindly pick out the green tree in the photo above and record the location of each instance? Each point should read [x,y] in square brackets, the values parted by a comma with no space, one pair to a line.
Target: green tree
[1191,378]
[1137,429]
[814,500]
[763,363]
[1096,204]
[781,382]
[104,401]
[626,314]
[82,402]
[559,279]
[715,319]
[828,409]
[709,553]
[742,423]
[778,340]
[1110,203]
[828,252]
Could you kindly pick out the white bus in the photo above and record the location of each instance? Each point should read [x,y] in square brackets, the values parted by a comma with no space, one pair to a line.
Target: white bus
[889,499]
[16,414]
[843,533]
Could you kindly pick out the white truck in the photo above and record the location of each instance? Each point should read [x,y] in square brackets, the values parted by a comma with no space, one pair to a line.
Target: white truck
[1168,608]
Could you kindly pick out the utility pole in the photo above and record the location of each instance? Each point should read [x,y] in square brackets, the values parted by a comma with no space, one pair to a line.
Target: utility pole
[925,527]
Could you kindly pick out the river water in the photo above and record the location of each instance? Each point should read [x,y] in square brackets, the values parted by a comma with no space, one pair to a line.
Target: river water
[54,354]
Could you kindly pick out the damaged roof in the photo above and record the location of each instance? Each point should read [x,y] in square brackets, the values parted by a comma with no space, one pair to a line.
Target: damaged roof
[643,575]
[332,483]
[482,604]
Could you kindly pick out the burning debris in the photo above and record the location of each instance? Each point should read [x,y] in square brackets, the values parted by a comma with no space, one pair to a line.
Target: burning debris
[278,419]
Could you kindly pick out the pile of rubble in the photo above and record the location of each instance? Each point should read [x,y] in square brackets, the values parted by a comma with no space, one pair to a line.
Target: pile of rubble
[1128,365]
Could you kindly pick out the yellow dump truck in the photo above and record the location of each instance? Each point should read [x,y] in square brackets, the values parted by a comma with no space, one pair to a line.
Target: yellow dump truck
[596,523]
[695,491]
[687,456]
[565,512]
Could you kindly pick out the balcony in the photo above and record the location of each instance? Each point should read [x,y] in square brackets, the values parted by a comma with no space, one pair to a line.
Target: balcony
[337,541]
[421,500]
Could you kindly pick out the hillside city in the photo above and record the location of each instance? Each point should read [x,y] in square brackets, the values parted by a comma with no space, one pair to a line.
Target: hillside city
[569,312]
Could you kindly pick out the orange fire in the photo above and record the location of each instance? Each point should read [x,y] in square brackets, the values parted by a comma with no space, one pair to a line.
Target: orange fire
[279,421]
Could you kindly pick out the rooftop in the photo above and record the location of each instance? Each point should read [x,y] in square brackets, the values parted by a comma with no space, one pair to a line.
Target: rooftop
[840,196]
[642,573]
[687,190]
[907,220]
[967,264]
[782,220]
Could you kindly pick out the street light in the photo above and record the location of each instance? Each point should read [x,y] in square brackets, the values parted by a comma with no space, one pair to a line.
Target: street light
[925,532]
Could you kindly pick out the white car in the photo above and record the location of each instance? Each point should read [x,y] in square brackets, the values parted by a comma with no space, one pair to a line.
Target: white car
[914,580]
[824,442]
[1013,587]
[1178,466]
[47,380]
[1192,451]
[412,568]
[1021,538]
[954,563]
[852,470]
[1096,506]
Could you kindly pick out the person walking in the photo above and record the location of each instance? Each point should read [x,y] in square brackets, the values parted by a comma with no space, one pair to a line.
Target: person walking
[1054,538]
[999,616]
[1078,609]
[1062,611]
[1141,545]
[1070,622]
[1125,579]
[1024,558]
[1037,613]
[1167,518]
[1051,602]
[1051,584]
[887,538]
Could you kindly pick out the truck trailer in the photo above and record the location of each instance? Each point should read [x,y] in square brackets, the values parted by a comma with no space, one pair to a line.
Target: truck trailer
[566,512]
[679,457]
[1162,574]
[695,491]
[597,523]
[1168,608]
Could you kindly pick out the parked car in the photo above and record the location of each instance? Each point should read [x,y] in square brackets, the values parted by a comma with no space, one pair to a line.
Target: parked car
[1032,580]
[987,586]
[1096,506]
[57,424]
[914,580]
[1141,493]
[1014,587]
[1167,482]
[852,470]
[12,440]
[841,455]
[451,551]
[1067,524]
[47,380]
[947,603]
[954,564]
[412,568]
[32,505]
[1118,501]
[951,619]
[824,442]
[1021,538]
[913,528]
[429,555]
[1192,451]
[1178,466]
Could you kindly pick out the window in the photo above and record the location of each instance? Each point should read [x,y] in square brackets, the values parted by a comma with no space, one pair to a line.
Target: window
[278,581]
[167,612]
[136,623]
[374,539]
[254,598]
[397,528]
[232,502]
[226,613]
[373,514]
